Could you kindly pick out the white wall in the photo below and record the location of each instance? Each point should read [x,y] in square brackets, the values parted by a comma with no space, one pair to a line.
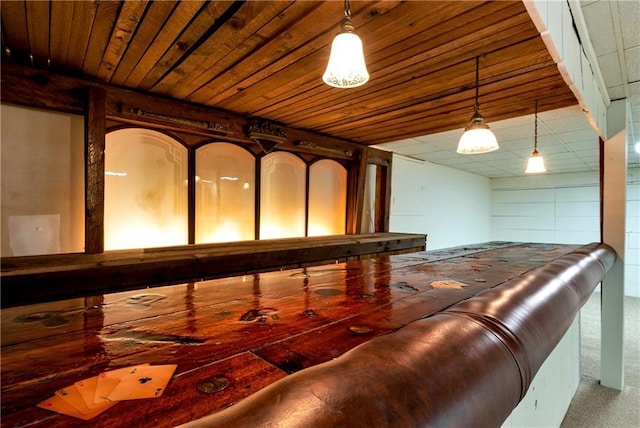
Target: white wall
[452,207]
[553,387]
[563,208]
[455,208]
[632,251]
[558,208]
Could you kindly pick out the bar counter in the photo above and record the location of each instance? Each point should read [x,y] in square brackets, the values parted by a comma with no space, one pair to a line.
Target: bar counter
[232,337]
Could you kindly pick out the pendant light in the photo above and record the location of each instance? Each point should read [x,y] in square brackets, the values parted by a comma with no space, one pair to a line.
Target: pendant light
[536,162]
[477,137]
[346,67]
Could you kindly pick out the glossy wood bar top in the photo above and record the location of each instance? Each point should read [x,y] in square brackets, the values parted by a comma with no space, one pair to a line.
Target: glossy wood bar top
[36,279]
[246,331]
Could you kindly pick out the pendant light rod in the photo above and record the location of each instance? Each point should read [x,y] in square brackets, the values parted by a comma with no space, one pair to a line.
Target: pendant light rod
[347,25]
[535,130]
[477,105]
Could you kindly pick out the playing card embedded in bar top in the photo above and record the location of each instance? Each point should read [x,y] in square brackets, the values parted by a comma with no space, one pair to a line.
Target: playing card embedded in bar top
[58,405]
[89,397]
[143,382]
[108,381]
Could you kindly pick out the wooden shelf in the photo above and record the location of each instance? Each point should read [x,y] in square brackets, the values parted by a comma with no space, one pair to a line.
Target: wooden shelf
[27,280]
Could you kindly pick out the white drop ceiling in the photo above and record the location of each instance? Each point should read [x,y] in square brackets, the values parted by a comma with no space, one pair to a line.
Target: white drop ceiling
[565,137]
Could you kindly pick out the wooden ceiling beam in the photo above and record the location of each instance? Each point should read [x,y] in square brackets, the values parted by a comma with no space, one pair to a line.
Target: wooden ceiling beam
[38,27]
[124,30]
[259,49]
[445,115]
[266,58]
[15,35]
[388,30]
[444,81]
[221,50]
[60,32]
[303,59]
[414,125]
[147,49]
[100,36]
[448,105]
[310,102]
[189,38]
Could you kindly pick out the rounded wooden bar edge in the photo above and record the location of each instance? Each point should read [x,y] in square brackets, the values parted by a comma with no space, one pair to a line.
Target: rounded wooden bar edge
[468,365]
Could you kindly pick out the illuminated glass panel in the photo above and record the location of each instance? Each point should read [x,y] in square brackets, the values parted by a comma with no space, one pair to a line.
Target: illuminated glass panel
[225,194]
[282,196]
[42,182]
[369,203]
[327,198]
[145,190]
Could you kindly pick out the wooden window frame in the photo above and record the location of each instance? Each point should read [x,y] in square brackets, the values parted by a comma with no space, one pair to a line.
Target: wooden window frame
[105,108]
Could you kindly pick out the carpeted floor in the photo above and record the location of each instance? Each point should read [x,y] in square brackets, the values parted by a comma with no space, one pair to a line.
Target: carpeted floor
[595,406]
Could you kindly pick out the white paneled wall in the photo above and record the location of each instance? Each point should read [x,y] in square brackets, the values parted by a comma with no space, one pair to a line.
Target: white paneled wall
[569,215]
[632,228]
[448,206]
[452,207]
[553,387]
[456,208]
[563,208]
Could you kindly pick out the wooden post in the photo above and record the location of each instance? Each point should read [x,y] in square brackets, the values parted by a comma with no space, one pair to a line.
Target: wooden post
[360,178]
[191,195]
[383,198]
[95,128]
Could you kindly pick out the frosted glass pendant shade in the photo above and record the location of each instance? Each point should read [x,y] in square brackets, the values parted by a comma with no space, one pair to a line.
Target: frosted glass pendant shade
[535,164]
[346,67]
[477,138]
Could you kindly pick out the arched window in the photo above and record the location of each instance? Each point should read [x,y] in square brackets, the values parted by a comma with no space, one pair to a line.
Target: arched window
[327,198]
[225,194]
[145,190]
[282,196]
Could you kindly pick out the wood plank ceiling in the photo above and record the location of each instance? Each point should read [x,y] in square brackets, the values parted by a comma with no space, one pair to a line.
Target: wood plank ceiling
[266,58]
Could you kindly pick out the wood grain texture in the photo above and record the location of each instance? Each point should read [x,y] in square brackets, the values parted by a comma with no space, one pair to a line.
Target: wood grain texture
[46,278]
[125,26]
[252,330]
[38,27]
[94,171]
[266,59]
[14,24]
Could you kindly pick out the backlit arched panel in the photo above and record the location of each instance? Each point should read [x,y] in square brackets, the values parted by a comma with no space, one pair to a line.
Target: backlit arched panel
[327,198]
[145,190]
[282,196]
[225,194]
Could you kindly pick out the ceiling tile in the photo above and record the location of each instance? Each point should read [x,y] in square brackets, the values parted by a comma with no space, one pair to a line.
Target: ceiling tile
[629,17]
[610,67]
[434,156]
[577,136]
[520,144]
[558,126]
[632,57]
[552,149]
[599,21]
[616,92]
[514,133]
